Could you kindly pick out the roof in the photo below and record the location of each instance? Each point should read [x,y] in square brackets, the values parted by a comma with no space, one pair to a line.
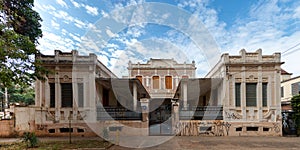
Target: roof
[290,79]
[122,87]
[198,86]
[283,72]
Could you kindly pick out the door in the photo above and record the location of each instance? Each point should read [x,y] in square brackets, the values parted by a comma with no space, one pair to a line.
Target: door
[160,121]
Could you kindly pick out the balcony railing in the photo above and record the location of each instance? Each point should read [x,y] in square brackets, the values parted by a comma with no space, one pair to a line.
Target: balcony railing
[202,113]
[117,113]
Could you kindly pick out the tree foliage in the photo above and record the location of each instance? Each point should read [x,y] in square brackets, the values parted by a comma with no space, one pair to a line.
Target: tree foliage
[21,94]
[20,30]
[295,103]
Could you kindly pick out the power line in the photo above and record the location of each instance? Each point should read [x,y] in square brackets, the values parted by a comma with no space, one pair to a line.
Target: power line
[291,48]
[295,50]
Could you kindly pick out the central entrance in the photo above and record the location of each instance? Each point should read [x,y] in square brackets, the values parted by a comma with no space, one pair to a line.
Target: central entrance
[160,121]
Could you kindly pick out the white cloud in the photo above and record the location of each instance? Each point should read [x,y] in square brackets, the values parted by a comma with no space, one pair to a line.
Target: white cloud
[69,19]
[75,37]
[297,13]
[76,4]
[104,14]
[51,42]
[91,10]
[54,24]
[110,33]
[64,32]
[62,3]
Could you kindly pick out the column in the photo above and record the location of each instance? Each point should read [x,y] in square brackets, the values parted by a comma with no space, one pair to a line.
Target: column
[259,93]
[175,114]
[134,96]
[243,94]
[57,95]
[185,104]
[145,108]
[37,93]
[162,83]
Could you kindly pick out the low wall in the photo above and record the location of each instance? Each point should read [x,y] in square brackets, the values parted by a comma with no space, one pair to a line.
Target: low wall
[221,128]
[7,128]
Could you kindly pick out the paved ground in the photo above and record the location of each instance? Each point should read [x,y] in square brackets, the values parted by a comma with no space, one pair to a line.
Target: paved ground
[191,142]
[220,143]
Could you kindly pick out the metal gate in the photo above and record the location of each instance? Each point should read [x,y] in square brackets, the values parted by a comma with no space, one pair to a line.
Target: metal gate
[288,124]
[160,122]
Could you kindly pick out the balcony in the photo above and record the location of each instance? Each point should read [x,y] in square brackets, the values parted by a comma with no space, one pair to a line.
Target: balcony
[202,113]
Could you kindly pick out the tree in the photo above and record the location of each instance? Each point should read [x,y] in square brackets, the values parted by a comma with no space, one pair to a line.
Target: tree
[20,30]
[21,94]
[295,103]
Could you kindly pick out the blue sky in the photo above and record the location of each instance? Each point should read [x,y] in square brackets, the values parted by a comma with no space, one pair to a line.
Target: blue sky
[201,30]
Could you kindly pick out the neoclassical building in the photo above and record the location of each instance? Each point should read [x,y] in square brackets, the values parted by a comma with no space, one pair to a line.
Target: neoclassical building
[161,76]
[251,92]
[81,91]
[239,96]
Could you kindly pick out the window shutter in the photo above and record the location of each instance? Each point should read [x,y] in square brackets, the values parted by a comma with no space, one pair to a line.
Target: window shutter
[237,94]
[264,94]
[168,82]
[52,95]
[250,94]
[80,94]
[155,82]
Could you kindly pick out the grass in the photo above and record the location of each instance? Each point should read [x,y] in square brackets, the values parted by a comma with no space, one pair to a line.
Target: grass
[58,145]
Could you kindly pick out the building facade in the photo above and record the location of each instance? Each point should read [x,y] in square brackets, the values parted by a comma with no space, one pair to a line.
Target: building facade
[251,88]
[240,96]
[289,88]
[161,76]
[81,91]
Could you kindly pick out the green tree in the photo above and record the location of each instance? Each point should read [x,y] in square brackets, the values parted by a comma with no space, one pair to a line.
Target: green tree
[20,30]
[295,102]
[21,94]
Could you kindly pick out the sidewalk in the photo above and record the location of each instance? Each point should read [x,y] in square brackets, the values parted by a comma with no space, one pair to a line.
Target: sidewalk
[187,142]
[220,143]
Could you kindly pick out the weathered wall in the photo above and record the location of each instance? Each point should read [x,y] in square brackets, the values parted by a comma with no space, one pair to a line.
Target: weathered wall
[7,128]
[221,128]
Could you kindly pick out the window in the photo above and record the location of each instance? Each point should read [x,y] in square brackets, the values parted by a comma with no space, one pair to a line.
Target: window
[168,82]
[140,78]
[252,128]
[52,95]
[264,94]
[296,88]
[239,129]
[66,95]
[250,94]
[155,80]
[282,91]
[65,130]
[80,94]
[105,97]
[237,94]
[51,130]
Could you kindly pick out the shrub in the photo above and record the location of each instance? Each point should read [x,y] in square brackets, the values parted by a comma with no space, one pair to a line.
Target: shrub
[30,139]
